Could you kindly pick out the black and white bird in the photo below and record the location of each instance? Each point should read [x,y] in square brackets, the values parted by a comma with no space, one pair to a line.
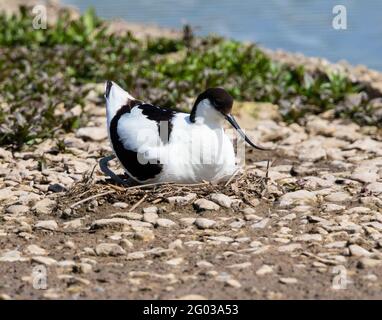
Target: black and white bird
[156,144]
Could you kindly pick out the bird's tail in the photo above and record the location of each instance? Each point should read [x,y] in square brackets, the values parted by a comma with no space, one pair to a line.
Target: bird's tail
[115,97]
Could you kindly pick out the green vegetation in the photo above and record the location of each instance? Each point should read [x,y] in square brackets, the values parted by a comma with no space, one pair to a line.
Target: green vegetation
[43,69]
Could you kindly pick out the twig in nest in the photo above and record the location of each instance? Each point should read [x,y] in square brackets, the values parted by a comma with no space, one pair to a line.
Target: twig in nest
[138,203]
[231,178]
[92,197]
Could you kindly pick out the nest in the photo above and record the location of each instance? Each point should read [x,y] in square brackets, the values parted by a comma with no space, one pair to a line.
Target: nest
[243,184]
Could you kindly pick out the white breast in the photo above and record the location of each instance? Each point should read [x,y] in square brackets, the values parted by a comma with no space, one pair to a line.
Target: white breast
[196,152]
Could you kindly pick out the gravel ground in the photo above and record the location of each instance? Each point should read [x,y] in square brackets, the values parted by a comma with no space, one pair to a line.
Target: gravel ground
[312,229]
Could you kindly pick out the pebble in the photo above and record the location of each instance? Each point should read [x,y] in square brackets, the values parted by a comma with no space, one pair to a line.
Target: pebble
[182,200]
[44,206]
[144,234]
[12,256]
[264,269]
[47,225]
[288,280]
[109,223]
[120,205]
[127,215]
[44,260]
[297,198]
[17,209]
[332,207]
[176,244]
[338,197]
[150,217]
[261,224]
[233,283]
[221,199]
[309,237]
[135,255]
[187,221]
[152,209]
[73,224]
[56,187]
[204,264]
[92,133]
[374,188]
[109,249]
[175,261]
[357,251]
[365,263]
[36,250]
[165,223]
[290,247]
[240,266]
[203,223]
[204,204]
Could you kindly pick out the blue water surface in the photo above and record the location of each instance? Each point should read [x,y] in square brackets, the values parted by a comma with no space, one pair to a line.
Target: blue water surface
[295,25]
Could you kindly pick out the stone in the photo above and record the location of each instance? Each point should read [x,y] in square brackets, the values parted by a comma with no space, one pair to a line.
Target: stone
[204,264]
[374,188]
[261,224]
[204,204]
[338,197]
[44,260]
[150,217]
[152,209]
[17,209]
[6,155]
[187,221]
[6,193]
[365,175]
[264,269]
[73,224]
[203,223]
[127,215]
[92,133]
[290,247]
[332,207]
[297,198]
[56,187]
[36,250]
[307,237]
[44,206]
[135,255]
[144,234]
[240,266]
[176,244]
[365,263]
[220,239]
[120,205]
[233,283]
[109,249]
[11,256]
[175,261]
[46,225]
[85,267]
[288,280]
[109,223]
[182,200]
[357,251]
[221,199]
[165,223]
[312,154]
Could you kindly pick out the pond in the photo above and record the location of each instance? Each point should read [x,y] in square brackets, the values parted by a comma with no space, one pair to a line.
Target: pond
[295,25]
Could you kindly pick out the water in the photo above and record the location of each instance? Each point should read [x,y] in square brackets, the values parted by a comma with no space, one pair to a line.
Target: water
[294,25]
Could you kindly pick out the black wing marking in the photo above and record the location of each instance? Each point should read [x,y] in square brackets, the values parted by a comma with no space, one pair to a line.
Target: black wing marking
[129,158]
